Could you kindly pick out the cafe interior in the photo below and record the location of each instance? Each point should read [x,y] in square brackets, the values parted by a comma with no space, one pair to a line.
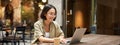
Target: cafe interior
[99,17]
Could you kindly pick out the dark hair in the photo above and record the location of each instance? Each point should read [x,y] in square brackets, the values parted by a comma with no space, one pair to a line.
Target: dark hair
[46,8]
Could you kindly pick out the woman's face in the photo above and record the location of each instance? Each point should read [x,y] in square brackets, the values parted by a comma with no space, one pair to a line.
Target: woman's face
[50,15]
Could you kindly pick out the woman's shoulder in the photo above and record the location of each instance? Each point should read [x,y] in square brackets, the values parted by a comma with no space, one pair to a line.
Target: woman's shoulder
[55,23]
[38,22]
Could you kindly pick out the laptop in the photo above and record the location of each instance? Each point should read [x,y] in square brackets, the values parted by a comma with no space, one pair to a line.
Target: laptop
[77,36]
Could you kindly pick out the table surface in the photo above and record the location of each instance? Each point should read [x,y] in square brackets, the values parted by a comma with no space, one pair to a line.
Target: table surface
[95,39]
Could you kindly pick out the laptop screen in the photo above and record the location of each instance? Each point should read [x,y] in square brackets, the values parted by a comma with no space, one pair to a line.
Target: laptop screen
[78,34]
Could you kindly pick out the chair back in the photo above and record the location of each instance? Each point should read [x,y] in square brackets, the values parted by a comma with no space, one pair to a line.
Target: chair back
[21,30]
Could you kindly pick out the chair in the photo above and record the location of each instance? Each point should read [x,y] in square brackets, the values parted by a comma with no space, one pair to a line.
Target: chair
[21,30]
[31,33]
[10,38]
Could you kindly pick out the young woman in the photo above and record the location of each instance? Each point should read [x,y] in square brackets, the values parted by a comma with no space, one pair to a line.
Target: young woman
[46,29]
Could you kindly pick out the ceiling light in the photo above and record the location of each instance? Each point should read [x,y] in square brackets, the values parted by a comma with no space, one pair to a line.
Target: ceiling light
[44,1]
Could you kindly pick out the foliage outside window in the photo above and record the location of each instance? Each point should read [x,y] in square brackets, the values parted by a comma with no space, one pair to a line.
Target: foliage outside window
[27,13]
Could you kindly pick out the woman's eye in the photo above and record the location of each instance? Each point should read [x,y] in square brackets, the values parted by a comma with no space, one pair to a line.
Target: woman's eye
[52,14]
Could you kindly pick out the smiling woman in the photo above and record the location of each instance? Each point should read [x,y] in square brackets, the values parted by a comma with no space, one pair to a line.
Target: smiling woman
[46,29]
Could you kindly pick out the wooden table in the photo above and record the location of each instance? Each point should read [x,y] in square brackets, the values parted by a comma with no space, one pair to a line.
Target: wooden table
[95,39]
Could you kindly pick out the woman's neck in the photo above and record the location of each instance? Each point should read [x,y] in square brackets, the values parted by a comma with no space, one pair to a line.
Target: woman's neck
[46,23]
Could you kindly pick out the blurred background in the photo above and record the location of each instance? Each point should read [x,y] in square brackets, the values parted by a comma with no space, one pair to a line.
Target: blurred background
[98,16]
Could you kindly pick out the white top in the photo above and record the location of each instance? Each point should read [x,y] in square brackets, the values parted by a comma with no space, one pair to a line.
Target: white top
[47,34]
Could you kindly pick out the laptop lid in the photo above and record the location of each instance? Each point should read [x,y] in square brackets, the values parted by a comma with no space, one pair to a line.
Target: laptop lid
[77,36]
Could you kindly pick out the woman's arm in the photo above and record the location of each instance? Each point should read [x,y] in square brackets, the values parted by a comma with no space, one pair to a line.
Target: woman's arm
[46,40]
[51,40]
[62,39]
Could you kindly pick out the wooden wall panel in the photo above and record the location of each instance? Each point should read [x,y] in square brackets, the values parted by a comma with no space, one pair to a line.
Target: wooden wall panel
[108,15]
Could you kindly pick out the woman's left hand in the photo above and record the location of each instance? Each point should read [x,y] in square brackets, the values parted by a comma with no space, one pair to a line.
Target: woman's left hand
[63,40]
